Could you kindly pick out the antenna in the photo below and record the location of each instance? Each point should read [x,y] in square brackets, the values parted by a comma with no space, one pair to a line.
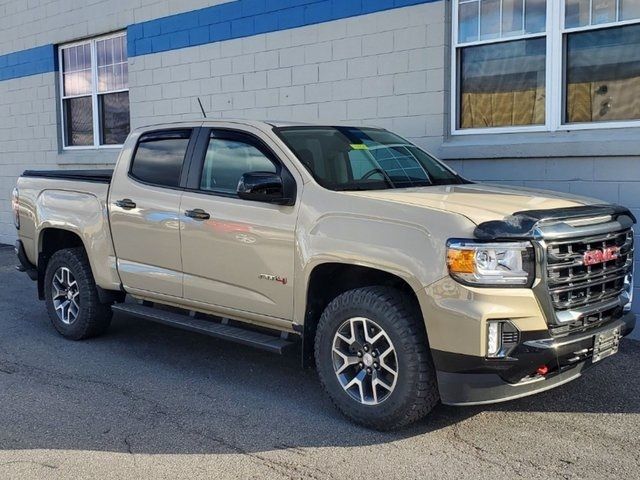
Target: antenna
[204,114]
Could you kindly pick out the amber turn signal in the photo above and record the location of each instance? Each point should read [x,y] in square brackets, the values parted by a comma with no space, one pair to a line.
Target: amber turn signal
[461,261]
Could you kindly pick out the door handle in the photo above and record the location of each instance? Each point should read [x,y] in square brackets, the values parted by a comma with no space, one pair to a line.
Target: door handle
[126,203]
[197,214]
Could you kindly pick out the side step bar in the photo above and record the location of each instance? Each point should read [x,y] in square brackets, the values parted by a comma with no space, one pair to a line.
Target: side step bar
[250,338]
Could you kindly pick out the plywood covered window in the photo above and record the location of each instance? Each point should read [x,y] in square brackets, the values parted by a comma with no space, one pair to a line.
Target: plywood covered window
[533,65]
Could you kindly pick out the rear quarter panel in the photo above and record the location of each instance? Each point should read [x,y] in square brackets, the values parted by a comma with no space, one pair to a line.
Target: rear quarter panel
[74,206]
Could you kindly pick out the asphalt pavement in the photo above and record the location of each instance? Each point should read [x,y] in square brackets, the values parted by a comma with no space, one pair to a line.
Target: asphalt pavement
[147,401]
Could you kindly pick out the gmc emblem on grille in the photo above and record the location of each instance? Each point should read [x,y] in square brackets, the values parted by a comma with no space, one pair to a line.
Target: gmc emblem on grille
[594,257]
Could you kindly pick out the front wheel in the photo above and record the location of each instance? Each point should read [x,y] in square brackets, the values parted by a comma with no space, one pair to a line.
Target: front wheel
[373,358]
[71,295]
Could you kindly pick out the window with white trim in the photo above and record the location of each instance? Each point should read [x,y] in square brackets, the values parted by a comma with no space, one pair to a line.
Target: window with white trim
[94,84]
[535,65]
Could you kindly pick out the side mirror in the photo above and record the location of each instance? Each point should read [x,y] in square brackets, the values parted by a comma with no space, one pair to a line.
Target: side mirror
[263,187]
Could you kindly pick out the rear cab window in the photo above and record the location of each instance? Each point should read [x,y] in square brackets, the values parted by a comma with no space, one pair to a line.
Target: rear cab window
[160,157]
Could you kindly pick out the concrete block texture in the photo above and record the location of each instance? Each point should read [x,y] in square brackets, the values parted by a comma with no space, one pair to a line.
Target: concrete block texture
[369,69]
[29,139]
[25,25]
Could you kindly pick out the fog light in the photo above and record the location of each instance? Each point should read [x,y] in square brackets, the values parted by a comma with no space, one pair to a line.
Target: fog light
[493,339]
[502,337]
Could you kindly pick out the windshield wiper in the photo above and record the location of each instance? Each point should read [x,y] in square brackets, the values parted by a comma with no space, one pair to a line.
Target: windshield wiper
[386,176]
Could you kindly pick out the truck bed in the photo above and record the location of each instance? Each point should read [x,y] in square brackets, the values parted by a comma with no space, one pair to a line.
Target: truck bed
[98,176]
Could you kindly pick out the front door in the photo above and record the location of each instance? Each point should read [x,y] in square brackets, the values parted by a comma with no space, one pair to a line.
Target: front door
[144,206]
[236,253]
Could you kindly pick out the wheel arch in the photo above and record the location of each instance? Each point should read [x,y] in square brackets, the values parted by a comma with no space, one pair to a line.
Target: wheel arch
[329,279]
[50,241]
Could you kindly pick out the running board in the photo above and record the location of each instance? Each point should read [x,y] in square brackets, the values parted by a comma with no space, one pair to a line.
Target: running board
[243,336]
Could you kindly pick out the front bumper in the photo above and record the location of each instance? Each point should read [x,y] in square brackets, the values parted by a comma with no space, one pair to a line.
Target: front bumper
[472,380]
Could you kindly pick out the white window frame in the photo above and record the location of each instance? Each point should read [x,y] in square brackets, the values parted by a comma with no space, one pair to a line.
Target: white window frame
[94,94]
[554,78]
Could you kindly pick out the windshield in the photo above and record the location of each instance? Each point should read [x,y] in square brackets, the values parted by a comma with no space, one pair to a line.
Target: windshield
[347,158]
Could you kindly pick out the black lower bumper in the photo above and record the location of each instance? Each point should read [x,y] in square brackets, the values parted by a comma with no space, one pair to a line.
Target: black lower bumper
[25,265]
[469,380]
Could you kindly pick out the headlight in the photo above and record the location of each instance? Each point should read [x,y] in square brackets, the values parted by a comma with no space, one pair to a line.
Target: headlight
[509,264]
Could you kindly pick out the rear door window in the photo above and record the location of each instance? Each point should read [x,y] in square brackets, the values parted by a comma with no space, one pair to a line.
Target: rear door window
[160,157]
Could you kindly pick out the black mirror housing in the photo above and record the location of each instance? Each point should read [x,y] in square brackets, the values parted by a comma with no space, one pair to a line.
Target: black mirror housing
[265,187]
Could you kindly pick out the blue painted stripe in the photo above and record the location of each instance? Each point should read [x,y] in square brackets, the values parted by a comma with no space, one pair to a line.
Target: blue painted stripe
[28,62]
[245,18]
[227,21]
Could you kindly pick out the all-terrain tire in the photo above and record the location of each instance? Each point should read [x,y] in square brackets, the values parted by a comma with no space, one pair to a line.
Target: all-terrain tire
[92,318]
[416,390]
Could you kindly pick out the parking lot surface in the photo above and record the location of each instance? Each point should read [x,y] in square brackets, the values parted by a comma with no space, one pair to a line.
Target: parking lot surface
[147,401]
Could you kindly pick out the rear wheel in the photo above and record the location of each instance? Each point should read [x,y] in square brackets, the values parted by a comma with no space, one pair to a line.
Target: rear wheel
[71,295]
[373,358]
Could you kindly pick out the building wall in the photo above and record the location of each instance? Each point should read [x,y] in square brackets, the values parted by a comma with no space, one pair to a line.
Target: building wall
[385,69]
[26,24]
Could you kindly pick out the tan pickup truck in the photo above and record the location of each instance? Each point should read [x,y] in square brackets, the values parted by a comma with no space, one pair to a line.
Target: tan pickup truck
[404,283]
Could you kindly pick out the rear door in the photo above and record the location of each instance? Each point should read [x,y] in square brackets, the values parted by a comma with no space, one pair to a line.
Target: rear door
[238,254]
[144,206]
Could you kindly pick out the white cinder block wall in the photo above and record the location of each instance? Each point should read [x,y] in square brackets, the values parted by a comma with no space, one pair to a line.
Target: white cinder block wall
[384,69]
[29,138]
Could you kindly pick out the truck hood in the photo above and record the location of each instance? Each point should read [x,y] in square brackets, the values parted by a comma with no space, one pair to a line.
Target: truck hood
[479,202]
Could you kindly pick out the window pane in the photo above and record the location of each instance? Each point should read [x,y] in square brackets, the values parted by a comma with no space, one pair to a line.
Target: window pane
[576,13]
[512,17]
[77,83]
[114,118]
[629,9]
[604,11]
[76,69]
[78,121]
[503,84]
[112,64]
[489,19]
[535,16]
[603,75]
[159,157]
[500,19]
[227,161]
[76,58]
[468,22]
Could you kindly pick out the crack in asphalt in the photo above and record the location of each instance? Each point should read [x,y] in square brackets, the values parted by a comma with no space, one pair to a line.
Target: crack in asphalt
[290,470]
[481,454]
[29,462]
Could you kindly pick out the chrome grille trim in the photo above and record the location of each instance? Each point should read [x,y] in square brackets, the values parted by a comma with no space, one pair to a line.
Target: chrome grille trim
[581,296]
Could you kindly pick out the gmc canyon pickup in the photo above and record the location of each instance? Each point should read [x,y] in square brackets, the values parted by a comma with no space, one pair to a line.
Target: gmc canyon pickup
[402,282]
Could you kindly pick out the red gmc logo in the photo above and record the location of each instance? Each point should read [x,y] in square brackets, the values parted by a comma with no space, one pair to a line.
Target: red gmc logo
[594,257]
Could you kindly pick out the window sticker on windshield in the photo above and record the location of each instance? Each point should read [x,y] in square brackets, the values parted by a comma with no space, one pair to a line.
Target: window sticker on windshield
[359,146]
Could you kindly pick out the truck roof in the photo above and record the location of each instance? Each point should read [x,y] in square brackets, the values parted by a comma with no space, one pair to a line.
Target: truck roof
[254,123]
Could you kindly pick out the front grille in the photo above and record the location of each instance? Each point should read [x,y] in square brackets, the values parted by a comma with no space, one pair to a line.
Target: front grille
[573,285]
